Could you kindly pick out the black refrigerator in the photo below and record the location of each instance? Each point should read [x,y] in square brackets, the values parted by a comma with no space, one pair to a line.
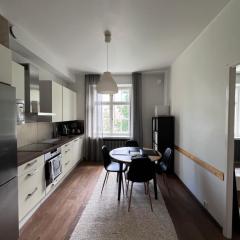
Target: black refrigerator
[8,164]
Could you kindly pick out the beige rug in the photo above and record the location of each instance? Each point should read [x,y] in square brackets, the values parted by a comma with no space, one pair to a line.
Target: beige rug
[105,218]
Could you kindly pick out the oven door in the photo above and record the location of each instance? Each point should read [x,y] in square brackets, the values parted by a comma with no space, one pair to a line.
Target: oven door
[53,169]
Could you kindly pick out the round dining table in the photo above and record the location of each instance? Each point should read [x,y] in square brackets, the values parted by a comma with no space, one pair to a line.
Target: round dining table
[125,154]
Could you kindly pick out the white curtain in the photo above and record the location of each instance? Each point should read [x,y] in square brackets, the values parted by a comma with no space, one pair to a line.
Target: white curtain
[94,127]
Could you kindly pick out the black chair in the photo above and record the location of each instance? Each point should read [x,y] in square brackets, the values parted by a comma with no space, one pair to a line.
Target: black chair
[132,143]
[141,170]
[164,165]
[110,166]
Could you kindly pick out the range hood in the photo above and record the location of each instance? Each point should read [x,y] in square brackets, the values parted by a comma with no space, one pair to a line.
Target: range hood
[32,91]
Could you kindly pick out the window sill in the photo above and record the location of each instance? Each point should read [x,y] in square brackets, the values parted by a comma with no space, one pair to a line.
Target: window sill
[116,138]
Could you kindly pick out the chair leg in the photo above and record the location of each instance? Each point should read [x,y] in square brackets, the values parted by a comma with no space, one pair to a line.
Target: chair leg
[149,196]
[125,178]
[107,177]
[117,176]
[104,182]
[122,184]
[127,188]
[129,203]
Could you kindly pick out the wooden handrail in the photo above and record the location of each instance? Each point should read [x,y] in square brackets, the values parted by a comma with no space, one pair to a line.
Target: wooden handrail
[201,163]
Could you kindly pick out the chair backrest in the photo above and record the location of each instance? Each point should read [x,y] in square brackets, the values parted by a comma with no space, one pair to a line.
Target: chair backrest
[106,157]
[141,170]
[132,143]
[167,158]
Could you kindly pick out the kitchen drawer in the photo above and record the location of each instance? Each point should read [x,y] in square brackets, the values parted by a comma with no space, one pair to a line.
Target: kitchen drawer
[30,166]
[31,190]
[66,161]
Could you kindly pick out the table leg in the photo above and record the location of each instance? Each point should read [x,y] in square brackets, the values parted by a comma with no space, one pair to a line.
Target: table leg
[120,181]
[155,186]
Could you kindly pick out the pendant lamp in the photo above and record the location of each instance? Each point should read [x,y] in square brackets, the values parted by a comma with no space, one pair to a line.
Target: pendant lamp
[107,85]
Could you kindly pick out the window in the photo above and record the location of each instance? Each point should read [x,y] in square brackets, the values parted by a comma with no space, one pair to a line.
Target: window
[116,113]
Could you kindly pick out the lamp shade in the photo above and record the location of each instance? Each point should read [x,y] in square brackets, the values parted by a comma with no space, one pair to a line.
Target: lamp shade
[107,85]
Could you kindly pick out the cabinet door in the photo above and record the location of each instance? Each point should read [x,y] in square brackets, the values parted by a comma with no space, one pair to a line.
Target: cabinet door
[57,102]
[5,65]
[66,104]
[74,105]
[18,80]
[31,189]
[80,149]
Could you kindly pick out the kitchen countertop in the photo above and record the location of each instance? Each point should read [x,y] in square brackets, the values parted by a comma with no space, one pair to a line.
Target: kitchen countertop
[23,157]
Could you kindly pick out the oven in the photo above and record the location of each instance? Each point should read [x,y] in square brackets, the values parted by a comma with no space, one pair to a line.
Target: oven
[53,165]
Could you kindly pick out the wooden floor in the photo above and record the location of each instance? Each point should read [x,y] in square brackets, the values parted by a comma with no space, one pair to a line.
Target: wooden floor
[57,217]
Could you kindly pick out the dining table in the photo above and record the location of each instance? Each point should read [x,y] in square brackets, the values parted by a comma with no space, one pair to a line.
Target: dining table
[124,155]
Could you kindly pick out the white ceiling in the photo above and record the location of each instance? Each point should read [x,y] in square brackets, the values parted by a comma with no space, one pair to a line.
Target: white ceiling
[146,34]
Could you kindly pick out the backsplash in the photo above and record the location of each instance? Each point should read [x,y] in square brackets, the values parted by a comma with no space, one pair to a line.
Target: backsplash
[33,132]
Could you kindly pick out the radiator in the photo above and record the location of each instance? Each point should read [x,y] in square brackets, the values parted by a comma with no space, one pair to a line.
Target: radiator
[112,143]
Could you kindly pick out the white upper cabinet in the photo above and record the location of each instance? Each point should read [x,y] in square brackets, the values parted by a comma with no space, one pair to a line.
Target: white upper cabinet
[18,80]
[5,65]
[74,110]
[66,104]
[51,99]
[69,105]
[57,102]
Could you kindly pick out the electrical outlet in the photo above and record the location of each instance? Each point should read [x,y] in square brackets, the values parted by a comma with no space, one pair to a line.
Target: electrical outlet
[205,204]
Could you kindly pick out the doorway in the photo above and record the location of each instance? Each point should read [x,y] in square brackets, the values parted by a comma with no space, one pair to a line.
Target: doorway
[232,220]
[236,163]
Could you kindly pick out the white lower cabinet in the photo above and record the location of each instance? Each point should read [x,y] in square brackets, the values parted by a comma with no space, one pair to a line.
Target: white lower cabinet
[67,155]
[31,185]
[77,149]
[31,177]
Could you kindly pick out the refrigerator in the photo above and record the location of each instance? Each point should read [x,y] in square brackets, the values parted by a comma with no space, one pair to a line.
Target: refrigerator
[8,164]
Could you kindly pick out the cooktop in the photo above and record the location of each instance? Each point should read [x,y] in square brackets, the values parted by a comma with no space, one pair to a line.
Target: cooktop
[35,147]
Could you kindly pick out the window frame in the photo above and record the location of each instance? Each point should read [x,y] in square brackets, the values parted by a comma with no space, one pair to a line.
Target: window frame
[111,103]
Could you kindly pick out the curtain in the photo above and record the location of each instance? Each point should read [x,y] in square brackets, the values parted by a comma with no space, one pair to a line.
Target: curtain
[93,113]
[137,108]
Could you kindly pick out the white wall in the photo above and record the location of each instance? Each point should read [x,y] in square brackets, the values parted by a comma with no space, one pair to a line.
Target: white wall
[199,81]
[152,94]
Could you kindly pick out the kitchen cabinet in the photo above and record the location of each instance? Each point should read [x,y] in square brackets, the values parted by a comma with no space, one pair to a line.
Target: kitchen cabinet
[69,105]
[51,99]
[32,189]
[5,65]
[57,101]
[71,154]
[18,80]
[31,185]
[77,149]
[74,109]
[67,157]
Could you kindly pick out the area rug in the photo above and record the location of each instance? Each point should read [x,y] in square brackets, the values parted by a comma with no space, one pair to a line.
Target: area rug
[105,218]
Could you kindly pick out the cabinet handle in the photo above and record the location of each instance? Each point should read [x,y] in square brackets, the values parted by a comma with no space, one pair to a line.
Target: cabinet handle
[32,173]
[66,151]
[67,163]
[31,163]
[31,194]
